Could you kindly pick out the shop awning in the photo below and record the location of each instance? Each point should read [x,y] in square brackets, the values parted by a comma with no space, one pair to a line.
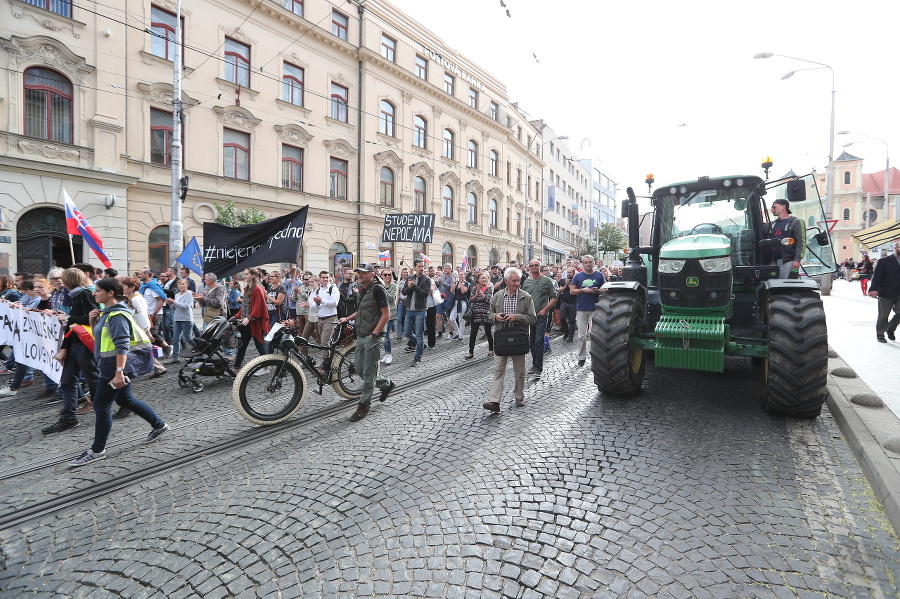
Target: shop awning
[879,234]
[557,250]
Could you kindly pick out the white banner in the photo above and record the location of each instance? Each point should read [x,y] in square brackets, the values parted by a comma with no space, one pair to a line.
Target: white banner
[34,337]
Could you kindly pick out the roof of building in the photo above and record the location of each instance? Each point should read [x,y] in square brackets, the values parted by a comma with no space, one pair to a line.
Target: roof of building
[846,157]
[874,182]
[789,175]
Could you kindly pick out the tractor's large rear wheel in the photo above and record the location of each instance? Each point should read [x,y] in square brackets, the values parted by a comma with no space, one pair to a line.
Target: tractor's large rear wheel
[618,365]
[796,370]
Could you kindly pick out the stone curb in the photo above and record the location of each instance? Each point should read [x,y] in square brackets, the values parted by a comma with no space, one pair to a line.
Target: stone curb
[866,430]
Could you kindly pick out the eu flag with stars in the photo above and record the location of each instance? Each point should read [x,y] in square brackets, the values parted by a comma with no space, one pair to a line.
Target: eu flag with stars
[192,257]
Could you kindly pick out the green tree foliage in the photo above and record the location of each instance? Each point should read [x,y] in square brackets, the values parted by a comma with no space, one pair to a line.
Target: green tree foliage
[606,240]
[229,214]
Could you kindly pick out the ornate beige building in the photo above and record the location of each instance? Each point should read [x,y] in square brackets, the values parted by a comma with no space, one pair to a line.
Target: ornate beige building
[357,112]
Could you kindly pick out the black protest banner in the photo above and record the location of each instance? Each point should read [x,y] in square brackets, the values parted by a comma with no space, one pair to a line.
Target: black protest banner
[413,228]
[227,250]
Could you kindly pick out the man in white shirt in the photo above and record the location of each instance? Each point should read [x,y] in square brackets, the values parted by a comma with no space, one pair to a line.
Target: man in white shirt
[326,298]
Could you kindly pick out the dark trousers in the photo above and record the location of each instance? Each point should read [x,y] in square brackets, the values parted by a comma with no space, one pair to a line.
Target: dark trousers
[80,362]
[567,320]
[103,401]
[885,322]
[430,324]
[537,342]
[473,335]
[246,336]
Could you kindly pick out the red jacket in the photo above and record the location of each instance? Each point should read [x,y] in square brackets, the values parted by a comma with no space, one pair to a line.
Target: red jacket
[259,316]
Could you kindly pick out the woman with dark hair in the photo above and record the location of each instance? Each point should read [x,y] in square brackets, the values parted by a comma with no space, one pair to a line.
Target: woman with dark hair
[865,268]
[77,352]
[115,334]
[254,318]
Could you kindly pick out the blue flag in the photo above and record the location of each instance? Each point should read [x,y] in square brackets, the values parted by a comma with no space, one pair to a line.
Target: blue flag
[192,257]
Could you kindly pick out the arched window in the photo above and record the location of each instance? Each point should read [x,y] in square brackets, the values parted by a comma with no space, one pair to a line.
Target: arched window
[419,190]
[388,113]
[158,248]
[448,144]
[447,202]
[48,105]
[472,253]
[846,177]
[493,217]
[811,221]
[420,132]
[387,186]
[472,208]
[494,163]
[846,214]
[339,257]
[473,154]
[447,253]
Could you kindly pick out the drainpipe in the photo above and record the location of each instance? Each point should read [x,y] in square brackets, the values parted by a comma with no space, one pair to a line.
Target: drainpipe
[359,137]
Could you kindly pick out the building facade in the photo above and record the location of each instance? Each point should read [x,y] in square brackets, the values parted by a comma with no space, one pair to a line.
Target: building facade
[356,111]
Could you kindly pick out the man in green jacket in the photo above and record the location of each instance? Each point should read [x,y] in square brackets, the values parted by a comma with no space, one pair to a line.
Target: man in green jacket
[543,293]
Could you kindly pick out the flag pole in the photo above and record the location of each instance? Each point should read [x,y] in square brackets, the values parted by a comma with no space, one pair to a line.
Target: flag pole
[71,248]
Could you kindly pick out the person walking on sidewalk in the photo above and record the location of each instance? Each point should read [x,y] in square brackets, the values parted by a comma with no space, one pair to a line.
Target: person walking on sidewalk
[865,269]
[510,307]
[371,318]
[115,334]
[885,287]
[543,294]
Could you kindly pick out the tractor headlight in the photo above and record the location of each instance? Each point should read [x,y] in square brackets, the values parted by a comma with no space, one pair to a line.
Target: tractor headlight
[671,266]
[716,264]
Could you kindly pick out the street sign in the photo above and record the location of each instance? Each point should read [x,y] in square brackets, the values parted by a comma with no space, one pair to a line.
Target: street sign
[831,224]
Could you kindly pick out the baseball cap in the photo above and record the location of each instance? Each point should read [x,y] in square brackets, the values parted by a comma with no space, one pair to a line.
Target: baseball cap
[784,203]
[365,267]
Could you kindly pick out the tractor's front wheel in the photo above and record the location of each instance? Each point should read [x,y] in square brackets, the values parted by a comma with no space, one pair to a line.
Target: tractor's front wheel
[618,365]
[796,370]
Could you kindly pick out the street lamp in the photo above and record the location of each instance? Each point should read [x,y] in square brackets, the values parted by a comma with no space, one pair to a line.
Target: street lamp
[887,166]
[526,255]
[829,177]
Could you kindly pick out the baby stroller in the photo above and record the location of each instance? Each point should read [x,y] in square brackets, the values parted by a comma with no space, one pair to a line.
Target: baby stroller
[205,358]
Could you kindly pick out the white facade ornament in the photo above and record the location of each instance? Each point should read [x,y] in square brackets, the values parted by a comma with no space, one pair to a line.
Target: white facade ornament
[339,148]
[388,158]
[47,51]
[294,134]
[48,150]
[237,116]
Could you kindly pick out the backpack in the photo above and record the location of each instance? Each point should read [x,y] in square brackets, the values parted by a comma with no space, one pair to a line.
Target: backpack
[346,305]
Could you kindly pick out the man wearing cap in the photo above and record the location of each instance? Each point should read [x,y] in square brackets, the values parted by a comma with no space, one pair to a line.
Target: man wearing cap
[371,317]
[792,235]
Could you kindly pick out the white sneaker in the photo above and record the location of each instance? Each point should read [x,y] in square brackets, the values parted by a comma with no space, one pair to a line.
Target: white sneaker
[387,359]
[383,358]
[261,372]
[7,391]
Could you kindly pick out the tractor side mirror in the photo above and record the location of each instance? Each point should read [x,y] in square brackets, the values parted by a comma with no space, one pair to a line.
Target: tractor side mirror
[796,191]
[821,238]
[625,209]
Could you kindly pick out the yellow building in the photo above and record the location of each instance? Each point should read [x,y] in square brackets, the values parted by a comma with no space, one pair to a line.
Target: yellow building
[357,112]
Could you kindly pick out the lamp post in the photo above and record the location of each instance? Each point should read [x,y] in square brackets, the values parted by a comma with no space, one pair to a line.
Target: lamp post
[526,255]
[887,166]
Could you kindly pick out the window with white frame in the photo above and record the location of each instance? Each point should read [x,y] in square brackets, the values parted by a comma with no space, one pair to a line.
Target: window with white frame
[295,6]
[292,84]
[449,82]
[237,62]
[493,163]
[236,152]
[337,178]
[494,111]
[387,187]
[421,67]
[473,98]
[339,23]
[292,168]
[420,132]
[447,202]
[419,191]
[472,208]
[473,154]
[493,213]
[339,95]
[448,144]
[388,48]
[387,119]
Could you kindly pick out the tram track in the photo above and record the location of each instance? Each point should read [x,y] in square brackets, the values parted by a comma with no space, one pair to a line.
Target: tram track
[17,516]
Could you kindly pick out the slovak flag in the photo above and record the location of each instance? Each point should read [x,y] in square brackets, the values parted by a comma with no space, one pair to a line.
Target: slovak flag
[76,224]
[385,255]
[424,258]
[465,262]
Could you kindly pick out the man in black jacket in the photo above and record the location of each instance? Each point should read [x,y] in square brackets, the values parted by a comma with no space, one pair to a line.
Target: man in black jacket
[415,291]
[885,286]
[792,234]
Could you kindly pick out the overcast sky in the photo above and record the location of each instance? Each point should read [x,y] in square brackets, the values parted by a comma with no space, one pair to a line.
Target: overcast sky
[626,75]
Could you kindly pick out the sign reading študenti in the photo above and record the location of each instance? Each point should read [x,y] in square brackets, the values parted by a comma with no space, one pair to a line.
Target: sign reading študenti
[227,250]
[413,228]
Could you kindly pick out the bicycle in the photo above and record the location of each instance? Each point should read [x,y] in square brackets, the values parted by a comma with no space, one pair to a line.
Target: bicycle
[271,388]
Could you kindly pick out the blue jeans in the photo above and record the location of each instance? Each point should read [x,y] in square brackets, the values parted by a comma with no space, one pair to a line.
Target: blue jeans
[184,334]
[401,319]
[387,335]
[166,325]
[104,397]
[415,329]
[537,342]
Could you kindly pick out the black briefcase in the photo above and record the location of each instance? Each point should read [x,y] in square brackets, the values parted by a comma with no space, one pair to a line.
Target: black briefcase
[511,341]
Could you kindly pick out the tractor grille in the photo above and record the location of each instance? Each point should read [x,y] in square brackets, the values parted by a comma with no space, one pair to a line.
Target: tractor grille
[713,290]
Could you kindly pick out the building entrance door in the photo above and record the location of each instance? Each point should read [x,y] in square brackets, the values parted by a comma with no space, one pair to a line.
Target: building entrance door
[42,242]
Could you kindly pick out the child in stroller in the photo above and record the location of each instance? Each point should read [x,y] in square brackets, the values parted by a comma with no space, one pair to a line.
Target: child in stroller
[205,358]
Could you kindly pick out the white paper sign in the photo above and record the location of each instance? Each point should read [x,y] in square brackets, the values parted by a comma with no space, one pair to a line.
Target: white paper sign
[34,337]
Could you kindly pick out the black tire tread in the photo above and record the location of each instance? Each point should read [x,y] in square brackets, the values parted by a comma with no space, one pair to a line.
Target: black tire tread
[612,324]
[273,360]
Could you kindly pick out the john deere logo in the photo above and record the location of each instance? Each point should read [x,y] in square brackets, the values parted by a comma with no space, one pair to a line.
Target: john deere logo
[692,282]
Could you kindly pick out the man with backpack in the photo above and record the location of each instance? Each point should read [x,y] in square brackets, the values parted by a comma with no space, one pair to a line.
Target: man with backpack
[326,298]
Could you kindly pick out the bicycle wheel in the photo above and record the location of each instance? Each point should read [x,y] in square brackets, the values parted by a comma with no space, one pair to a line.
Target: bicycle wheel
[348,382]
[265,397]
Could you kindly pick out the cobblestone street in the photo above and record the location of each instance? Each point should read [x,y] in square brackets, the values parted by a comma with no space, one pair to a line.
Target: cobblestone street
[689,490]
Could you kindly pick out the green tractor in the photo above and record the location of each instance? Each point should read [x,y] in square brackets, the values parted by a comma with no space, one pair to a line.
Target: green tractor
[706,287]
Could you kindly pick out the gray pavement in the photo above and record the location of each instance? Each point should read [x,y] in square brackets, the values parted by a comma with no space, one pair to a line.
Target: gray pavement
[688,490]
